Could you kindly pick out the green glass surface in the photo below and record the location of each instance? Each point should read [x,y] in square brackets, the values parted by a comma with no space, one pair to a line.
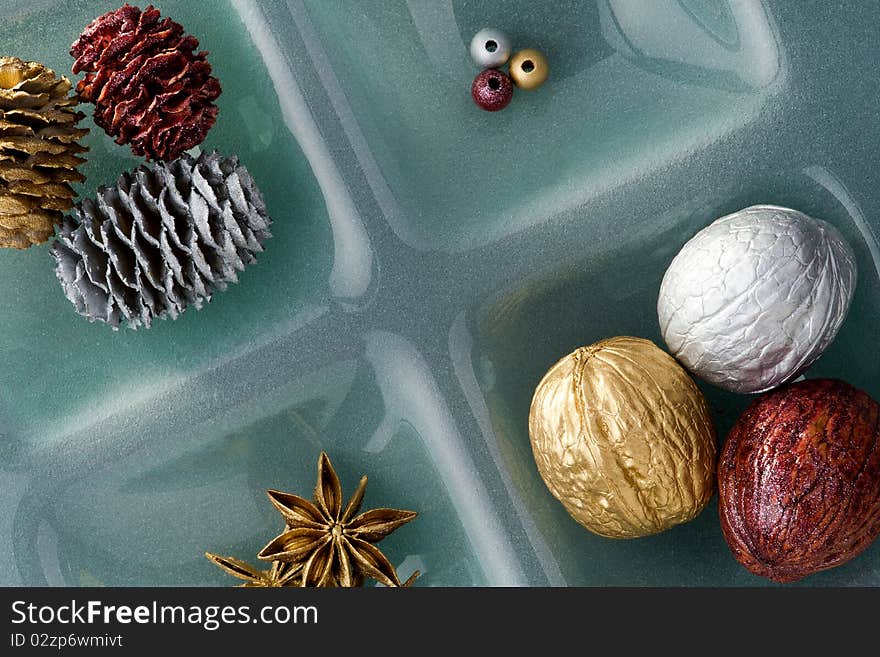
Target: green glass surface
[429,262]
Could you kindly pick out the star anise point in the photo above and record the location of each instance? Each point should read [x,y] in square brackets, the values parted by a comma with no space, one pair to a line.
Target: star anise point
[330,545]
[279,574]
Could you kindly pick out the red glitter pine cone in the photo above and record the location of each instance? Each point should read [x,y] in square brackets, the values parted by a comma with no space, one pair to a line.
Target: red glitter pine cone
[150,87]
[799,479]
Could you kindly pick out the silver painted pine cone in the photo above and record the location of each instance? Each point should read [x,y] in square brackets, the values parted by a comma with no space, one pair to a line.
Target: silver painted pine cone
[160,240]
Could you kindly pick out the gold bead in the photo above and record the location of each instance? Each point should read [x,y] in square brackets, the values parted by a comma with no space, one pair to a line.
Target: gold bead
[529,69]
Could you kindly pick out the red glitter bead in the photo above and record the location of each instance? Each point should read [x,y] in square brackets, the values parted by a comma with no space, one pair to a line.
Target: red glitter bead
[492,90]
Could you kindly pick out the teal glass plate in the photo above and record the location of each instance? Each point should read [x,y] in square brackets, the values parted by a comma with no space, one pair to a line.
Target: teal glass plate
[429,262]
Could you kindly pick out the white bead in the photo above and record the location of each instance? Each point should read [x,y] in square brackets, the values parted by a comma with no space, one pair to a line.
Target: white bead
[754,298]
[490,48]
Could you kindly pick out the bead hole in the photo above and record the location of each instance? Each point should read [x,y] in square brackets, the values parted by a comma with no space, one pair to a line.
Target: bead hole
[494,84]
[528,66]
[491,46]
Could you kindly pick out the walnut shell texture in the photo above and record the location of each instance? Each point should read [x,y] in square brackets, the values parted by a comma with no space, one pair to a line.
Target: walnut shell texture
[799,479]
[150,87]
[753,299]
[622,436]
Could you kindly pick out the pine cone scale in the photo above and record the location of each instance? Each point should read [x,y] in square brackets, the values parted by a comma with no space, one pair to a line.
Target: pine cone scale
[175,282]
[113,265]
[94,268]
[15,129]
[28,188]
[123,298]
[16,172]
[13,204]
[239,241]
[27,221]
[121,44]
[124,262]
[31,145]
[149,266]
[14,99]
[68,275]
[54,203]
[71,136]
[56,161]
[99,33]
[181,235]
[45,118]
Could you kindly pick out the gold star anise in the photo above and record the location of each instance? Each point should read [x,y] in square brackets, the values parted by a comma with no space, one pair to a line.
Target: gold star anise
[279,574]
[331,545]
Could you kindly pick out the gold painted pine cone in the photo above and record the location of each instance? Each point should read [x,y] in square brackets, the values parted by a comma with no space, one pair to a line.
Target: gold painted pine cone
[38,151]
[623,438]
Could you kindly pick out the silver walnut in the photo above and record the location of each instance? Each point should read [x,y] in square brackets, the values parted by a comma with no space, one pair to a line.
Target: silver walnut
[490,48]
[755,297]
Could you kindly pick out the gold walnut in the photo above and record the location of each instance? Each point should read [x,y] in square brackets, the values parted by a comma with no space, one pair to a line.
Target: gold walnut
[623,438]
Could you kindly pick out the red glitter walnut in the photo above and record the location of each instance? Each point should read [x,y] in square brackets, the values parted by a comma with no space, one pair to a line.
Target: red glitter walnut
[799,479]
[150,87]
